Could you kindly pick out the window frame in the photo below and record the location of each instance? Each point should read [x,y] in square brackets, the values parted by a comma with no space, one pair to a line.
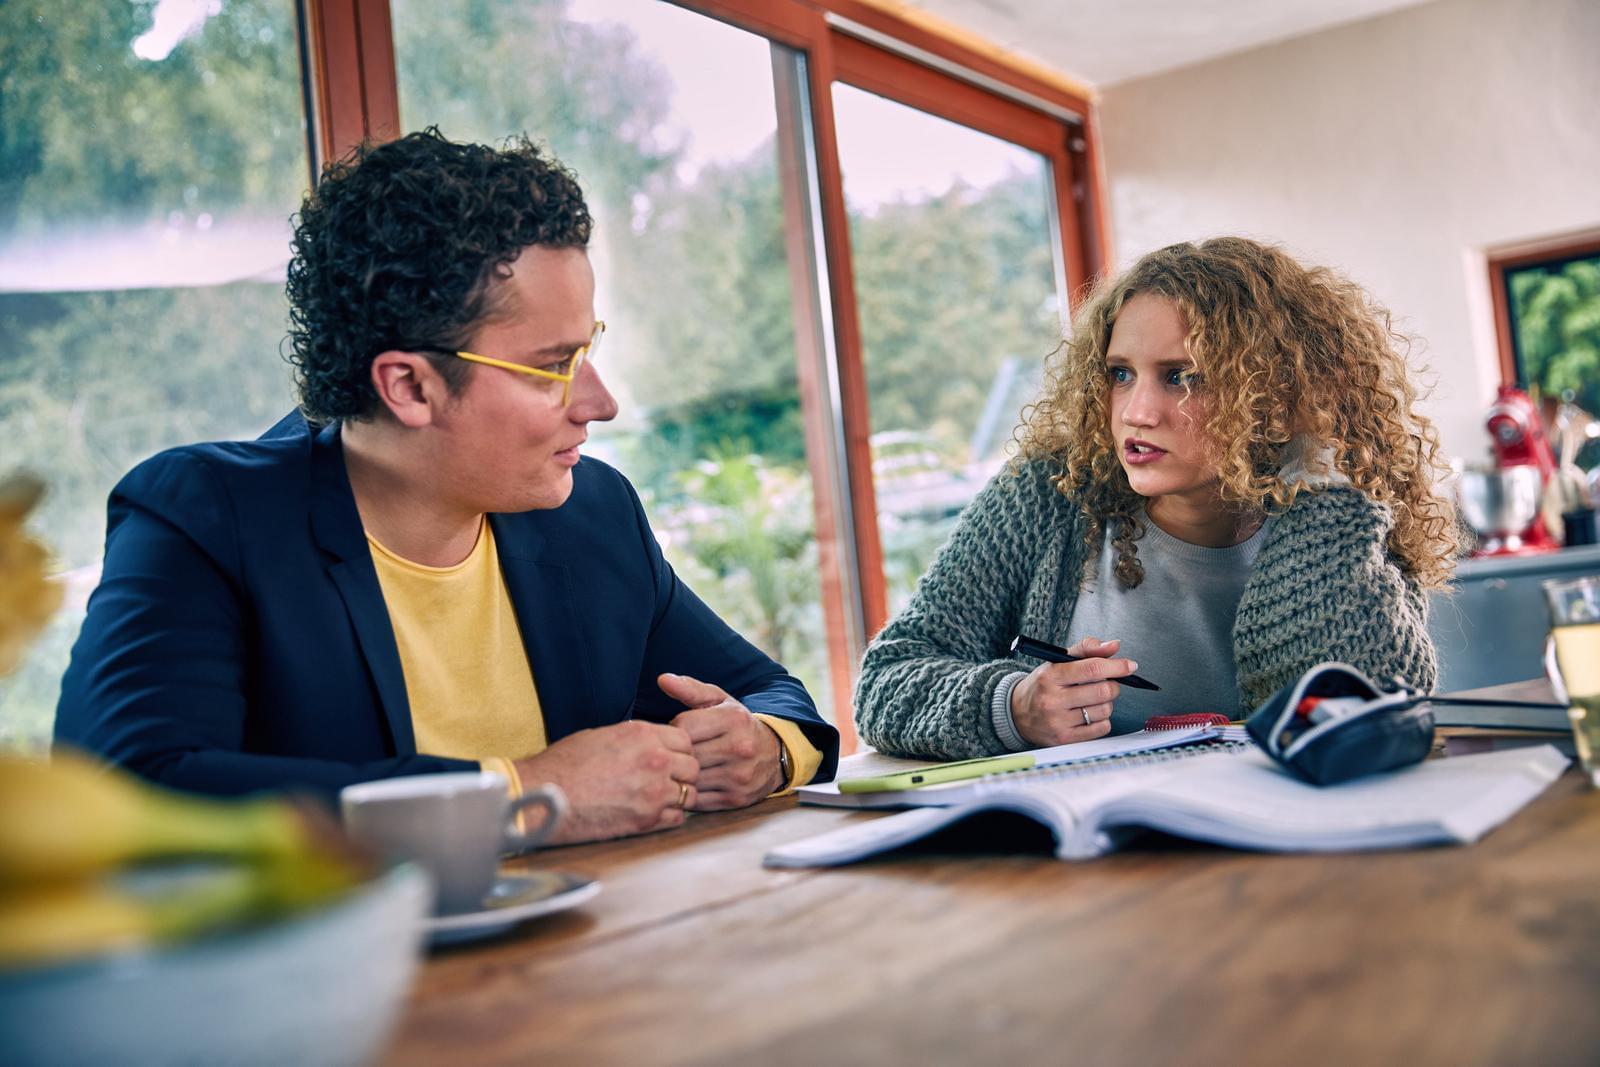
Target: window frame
[353,95]
[1501,263]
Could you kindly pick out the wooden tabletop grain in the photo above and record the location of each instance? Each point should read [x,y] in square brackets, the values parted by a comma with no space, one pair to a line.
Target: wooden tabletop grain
[1164,953]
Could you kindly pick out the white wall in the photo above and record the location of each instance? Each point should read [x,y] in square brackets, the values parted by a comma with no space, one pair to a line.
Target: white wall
[1395,149]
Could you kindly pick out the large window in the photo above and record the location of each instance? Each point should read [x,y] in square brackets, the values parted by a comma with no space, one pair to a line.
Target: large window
[826,305]
[951,238]
[150,159]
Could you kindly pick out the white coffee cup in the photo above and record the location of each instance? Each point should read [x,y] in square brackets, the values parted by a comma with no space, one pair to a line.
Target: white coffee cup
[455,825]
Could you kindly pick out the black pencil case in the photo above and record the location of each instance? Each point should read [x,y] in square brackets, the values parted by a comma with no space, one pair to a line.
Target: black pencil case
[1386,731]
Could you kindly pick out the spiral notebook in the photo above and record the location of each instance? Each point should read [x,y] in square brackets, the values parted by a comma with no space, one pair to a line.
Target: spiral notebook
[1142,748]
[1242,800]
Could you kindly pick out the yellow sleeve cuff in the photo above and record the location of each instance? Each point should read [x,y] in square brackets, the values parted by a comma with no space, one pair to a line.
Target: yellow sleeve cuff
[507,769]
[804,758]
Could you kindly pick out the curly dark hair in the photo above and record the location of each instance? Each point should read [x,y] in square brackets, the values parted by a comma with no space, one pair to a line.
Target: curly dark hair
[396,249]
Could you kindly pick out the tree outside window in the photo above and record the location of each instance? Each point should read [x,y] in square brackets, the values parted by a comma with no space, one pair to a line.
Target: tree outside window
[1555,324]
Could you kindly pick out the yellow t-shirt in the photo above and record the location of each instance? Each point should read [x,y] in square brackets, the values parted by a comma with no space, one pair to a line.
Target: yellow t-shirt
[466,670]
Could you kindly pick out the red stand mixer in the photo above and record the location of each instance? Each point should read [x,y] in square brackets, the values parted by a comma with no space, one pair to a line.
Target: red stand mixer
[1502,502]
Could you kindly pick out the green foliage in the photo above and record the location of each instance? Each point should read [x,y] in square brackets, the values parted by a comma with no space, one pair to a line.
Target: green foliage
[92,132]
[110,378]
[949,288]
[748,533]
[708,269]
[484,70]
[1557,315]
[766,423]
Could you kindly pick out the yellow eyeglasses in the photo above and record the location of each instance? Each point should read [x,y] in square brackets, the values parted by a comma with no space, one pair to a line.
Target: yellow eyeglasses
[572,364]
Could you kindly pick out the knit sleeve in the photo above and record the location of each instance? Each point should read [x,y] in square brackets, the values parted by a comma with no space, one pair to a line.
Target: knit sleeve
[928,679]
[1325,588]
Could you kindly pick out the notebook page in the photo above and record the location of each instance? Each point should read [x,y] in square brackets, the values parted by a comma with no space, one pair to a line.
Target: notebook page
[1110,747]
[1250,802]
[1067,812]
[1148,759]
[1244,800]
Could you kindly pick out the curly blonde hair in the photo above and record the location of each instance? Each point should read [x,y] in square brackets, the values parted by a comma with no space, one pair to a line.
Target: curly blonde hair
[1281,349]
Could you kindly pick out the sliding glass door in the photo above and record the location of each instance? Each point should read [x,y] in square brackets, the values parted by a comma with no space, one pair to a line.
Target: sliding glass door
[951,241]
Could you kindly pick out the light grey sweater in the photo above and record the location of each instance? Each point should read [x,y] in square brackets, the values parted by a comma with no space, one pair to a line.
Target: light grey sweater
[1322,587]
[1178,624]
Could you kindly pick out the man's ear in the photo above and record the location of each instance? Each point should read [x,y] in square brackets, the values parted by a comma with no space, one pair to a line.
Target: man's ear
[409,387]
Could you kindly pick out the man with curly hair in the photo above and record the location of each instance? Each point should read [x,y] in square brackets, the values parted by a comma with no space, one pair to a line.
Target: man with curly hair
[418,571]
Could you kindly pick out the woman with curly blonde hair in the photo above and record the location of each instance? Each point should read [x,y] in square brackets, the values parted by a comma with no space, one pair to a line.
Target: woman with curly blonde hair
[1226,475]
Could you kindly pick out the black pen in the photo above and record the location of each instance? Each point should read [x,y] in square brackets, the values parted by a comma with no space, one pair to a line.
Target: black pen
[1030,646]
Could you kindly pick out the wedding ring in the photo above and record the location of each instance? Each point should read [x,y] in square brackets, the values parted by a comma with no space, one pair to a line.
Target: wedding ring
[683,794]
[1086,720]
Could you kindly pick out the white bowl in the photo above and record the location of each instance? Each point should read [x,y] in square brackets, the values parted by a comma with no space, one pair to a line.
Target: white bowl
[319,988]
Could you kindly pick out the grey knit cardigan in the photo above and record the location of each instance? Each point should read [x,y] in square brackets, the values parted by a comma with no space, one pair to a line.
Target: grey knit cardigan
[1323,587]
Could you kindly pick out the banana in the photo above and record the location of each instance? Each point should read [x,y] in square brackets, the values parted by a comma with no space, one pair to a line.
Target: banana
[70,829]
[73,817]
[64,921]
[60,921]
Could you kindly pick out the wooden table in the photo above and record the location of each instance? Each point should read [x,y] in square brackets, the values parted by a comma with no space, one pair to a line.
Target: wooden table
[1166,953]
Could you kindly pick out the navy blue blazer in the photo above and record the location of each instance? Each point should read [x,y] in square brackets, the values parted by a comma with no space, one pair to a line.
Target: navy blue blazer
[239,639]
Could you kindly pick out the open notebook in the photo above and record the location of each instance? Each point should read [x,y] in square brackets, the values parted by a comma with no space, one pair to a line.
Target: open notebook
[1243,800]
[1143,747]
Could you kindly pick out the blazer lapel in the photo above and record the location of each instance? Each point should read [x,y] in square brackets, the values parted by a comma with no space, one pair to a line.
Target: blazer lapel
[336,526]
[547,614]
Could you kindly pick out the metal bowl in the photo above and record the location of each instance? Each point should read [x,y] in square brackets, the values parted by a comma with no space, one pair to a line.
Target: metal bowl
[1498,502]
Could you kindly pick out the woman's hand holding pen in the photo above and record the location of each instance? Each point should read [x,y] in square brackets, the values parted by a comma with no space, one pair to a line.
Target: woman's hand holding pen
[1062,703]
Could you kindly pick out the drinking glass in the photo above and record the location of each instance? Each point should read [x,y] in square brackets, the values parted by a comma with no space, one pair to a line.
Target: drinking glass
[1575,667]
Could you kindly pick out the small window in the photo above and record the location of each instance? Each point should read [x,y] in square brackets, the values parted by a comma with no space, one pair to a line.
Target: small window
[1551,324]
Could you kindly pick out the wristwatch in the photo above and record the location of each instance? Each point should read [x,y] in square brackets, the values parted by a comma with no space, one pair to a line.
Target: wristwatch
[783,762]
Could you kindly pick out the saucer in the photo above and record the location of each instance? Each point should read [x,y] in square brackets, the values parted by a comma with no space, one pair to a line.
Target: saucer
[514,898]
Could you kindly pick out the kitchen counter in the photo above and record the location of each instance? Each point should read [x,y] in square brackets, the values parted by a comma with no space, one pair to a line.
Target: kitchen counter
[1584,559]
[1491,624]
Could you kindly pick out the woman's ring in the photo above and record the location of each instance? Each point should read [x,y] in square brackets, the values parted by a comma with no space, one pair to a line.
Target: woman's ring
[1086,720]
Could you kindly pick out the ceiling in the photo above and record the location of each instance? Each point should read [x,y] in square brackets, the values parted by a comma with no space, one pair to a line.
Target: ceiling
[1102,42]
